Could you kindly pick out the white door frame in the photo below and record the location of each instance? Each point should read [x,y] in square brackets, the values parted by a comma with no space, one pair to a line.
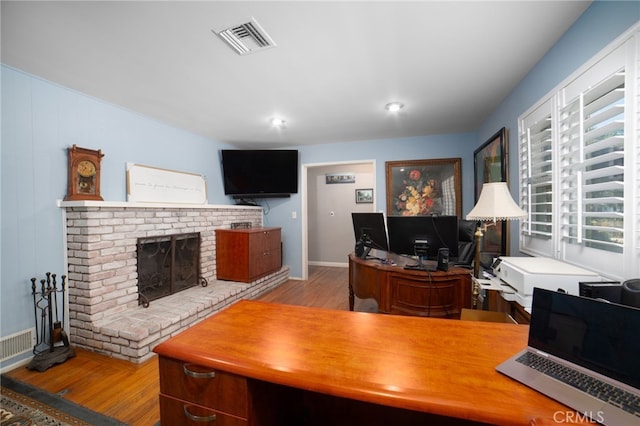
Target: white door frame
[304,208]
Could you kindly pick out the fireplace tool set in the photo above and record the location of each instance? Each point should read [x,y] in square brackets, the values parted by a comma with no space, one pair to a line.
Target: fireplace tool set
[52,346]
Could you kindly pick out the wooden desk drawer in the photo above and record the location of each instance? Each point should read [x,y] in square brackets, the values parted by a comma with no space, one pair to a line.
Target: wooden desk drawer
[176,412]
[204,386]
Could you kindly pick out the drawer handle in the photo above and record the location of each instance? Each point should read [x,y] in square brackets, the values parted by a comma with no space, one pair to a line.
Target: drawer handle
[193,417]
[197,375]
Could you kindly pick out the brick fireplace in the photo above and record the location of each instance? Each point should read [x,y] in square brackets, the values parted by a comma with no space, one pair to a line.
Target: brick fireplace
[104,315]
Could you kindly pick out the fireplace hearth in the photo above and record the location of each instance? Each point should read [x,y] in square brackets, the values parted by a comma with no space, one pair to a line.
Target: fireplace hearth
[167,264]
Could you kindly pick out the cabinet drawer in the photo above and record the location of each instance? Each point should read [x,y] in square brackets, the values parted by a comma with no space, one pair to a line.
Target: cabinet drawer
[204,386]
[265,263]
[264,241]
[176,412]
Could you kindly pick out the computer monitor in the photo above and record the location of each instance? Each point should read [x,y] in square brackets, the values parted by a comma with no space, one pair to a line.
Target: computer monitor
[431,232]
[371,229]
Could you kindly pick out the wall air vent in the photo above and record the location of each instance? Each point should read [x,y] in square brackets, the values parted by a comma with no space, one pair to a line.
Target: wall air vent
[246,37]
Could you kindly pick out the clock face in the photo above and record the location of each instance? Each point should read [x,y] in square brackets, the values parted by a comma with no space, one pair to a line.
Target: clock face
[86,168]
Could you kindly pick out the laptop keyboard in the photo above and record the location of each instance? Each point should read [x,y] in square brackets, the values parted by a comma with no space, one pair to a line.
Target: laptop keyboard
[597,388]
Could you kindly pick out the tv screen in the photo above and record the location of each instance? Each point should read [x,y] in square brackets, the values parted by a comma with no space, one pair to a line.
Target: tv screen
[259,173]
[438,231]
[370,227]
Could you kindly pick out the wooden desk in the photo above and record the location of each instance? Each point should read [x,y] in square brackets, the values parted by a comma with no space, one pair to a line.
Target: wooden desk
[409,292]
[283,364]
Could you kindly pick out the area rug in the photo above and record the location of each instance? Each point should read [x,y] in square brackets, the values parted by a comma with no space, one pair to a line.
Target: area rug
[24,405]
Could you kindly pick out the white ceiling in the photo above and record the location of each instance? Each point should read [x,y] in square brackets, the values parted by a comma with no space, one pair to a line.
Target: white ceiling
[335,66]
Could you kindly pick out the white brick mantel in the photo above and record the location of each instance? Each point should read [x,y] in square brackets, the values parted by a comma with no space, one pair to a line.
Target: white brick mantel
[101,248]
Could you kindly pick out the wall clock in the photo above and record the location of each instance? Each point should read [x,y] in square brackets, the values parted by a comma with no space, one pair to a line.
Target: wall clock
[84,174]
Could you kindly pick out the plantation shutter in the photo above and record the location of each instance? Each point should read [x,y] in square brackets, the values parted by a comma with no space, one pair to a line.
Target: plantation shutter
[536,186]
[592,165]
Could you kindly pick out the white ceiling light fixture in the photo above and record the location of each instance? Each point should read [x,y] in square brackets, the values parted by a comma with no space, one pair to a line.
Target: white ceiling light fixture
[394,106]
[277,122]
[246,37]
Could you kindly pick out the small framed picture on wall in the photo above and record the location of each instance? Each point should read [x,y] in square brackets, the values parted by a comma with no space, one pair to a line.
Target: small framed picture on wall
[364,195]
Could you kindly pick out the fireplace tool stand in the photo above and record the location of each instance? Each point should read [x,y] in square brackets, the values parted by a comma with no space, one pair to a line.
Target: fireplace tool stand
[52,346]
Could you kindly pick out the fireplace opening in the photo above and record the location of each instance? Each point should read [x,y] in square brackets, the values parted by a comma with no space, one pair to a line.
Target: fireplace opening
[167,264]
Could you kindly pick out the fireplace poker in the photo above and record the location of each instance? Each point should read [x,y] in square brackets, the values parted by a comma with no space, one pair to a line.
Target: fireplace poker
[63,333]
[57,325]
[49,301]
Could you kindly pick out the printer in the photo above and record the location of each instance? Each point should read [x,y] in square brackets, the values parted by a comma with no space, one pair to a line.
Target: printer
[522,274]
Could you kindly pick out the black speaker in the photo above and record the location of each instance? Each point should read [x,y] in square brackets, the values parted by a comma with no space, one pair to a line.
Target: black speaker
[362,249]
[631,293]
[443,259]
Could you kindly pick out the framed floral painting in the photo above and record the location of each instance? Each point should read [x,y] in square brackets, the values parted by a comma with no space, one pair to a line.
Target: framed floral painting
[424,187]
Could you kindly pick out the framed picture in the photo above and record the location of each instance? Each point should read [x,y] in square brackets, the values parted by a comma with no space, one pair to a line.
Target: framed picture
[424,187]
[490,165]
[364,196]
[340,178]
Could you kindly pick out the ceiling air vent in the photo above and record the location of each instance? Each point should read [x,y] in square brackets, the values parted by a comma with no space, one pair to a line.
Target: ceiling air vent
[247,37]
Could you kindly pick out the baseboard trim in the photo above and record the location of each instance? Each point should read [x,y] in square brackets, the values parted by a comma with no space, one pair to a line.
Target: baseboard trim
[329,264]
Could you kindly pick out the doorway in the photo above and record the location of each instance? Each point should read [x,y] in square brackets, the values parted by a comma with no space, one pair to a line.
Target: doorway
[327,232]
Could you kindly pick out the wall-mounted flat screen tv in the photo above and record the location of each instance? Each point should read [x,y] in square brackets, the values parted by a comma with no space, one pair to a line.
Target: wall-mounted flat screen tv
[260,173]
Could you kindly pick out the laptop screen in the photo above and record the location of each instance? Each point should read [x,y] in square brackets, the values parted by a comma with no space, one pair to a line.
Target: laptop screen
[600,336]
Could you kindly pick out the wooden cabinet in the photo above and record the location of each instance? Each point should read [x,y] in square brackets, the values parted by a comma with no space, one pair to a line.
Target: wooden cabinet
[192,394]
[247,254]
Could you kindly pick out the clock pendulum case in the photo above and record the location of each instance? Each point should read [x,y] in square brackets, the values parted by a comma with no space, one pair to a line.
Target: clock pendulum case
[84,174]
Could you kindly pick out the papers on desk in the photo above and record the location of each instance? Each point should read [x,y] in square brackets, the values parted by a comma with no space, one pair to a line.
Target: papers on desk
[494,284]
[507,292]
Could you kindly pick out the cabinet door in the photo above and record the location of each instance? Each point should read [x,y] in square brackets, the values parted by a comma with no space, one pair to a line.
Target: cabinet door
[265,253]
[232,255]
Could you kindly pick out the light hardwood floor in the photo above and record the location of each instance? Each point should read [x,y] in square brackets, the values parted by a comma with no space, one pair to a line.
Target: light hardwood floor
[129,392]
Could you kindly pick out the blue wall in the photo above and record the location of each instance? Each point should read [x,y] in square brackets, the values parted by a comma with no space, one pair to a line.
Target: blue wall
[40,120]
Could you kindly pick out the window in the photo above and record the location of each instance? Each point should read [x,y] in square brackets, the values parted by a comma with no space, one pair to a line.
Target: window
[579,166]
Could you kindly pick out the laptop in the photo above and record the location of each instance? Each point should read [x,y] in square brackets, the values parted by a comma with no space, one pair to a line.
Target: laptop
[584,353]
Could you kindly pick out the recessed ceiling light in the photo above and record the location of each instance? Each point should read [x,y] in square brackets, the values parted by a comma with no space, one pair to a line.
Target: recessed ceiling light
[277,122]
[394,106]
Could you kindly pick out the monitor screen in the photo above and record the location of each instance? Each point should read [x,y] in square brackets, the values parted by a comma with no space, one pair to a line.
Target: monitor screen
[437,231]
[370,227]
